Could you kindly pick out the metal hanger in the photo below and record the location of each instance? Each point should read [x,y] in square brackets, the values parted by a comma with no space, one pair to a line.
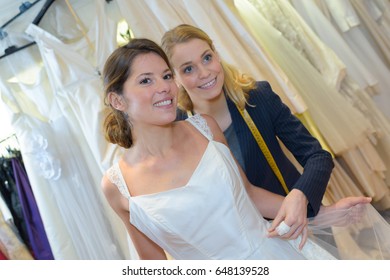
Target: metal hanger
[23,8]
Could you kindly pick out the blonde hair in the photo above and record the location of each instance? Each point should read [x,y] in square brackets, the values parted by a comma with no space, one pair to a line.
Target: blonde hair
[117,69]
[236,84]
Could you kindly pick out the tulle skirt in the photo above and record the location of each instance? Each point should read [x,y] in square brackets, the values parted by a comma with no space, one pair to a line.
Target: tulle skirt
[358,233]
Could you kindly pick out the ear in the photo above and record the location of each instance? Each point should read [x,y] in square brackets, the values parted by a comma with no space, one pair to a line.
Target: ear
[116,101]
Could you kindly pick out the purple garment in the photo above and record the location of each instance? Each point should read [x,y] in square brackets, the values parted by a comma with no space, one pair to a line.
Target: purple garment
[35,229]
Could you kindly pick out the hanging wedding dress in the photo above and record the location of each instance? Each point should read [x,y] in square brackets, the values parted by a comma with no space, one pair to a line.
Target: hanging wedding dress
[357,85]
[49,114]
[327,63]
[375,15]
[347,138]
[345,19]
[20,97]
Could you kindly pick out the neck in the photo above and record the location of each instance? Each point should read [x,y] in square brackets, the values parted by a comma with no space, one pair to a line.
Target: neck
[155,141]
[218,109]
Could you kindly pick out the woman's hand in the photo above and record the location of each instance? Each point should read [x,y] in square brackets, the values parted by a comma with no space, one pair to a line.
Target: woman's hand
[345,211]
[292,216]
[347,202]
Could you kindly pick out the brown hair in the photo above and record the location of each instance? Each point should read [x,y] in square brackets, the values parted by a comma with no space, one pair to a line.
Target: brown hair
[117,69]
[236,84]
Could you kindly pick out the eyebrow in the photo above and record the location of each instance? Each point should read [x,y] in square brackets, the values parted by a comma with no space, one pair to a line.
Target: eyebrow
[150,73]
[143,75]
[189,62]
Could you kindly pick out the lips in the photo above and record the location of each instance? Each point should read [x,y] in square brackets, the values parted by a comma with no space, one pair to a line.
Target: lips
[163,103]
[209,84]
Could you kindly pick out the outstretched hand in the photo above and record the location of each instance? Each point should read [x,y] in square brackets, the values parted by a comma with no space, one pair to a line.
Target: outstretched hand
[293,214]
[345,211]
[348,202]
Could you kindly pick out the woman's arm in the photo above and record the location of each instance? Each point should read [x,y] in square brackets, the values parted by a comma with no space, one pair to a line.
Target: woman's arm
[146,248]
[317,163]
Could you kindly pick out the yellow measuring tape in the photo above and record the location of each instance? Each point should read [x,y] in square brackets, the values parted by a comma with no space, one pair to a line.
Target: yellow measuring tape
[263,146]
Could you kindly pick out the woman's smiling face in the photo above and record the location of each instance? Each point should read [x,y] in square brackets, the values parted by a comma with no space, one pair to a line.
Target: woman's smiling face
[198,70]
[150,93]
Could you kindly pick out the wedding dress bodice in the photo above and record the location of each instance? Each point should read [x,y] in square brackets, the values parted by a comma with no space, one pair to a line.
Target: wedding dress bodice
[211,217]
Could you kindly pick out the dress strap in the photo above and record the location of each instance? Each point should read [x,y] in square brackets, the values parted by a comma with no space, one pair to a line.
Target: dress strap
[201,124]
[114,174]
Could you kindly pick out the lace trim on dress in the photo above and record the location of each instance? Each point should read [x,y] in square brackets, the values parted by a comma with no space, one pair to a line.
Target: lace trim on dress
[201,124]
[114,175]
[38,147]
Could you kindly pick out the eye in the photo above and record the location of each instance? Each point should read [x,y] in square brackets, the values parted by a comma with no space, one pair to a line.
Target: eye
[145,81]
[188,69]
[207,57]
[168,76]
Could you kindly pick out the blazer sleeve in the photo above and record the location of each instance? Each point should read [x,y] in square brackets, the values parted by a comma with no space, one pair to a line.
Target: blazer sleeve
[181,115]
[316,162]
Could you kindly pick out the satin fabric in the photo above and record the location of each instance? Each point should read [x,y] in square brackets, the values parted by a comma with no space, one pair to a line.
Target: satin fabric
[212,216]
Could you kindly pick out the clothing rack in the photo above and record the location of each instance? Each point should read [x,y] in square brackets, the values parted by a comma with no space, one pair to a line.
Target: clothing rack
[24,7]
[7,138]
[9,146]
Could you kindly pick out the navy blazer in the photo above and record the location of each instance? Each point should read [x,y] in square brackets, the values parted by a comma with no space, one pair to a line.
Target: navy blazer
[274,120]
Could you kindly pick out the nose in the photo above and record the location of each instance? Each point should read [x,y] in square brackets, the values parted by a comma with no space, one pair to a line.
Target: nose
[203,72]
[163,86]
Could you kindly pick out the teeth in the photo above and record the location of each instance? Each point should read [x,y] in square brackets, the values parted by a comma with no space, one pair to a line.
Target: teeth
[163,103]
[208,84]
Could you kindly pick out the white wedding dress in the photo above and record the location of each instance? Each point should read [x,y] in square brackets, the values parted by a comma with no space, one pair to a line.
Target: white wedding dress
[212,216]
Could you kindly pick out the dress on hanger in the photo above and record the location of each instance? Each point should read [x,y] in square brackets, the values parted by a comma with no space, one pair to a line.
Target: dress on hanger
[346,129]
[348,23]
[44,105]
[360,82]
[375,15]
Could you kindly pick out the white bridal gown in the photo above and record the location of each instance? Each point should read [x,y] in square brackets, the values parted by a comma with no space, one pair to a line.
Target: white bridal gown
[212,216]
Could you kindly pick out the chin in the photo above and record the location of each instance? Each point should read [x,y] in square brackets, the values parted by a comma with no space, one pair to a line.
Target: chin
[215,94]
[169,118]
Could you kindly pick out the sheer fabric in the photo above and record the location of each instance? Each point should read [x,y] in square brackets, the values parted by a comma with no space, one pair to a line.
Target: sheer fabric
[358,233]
